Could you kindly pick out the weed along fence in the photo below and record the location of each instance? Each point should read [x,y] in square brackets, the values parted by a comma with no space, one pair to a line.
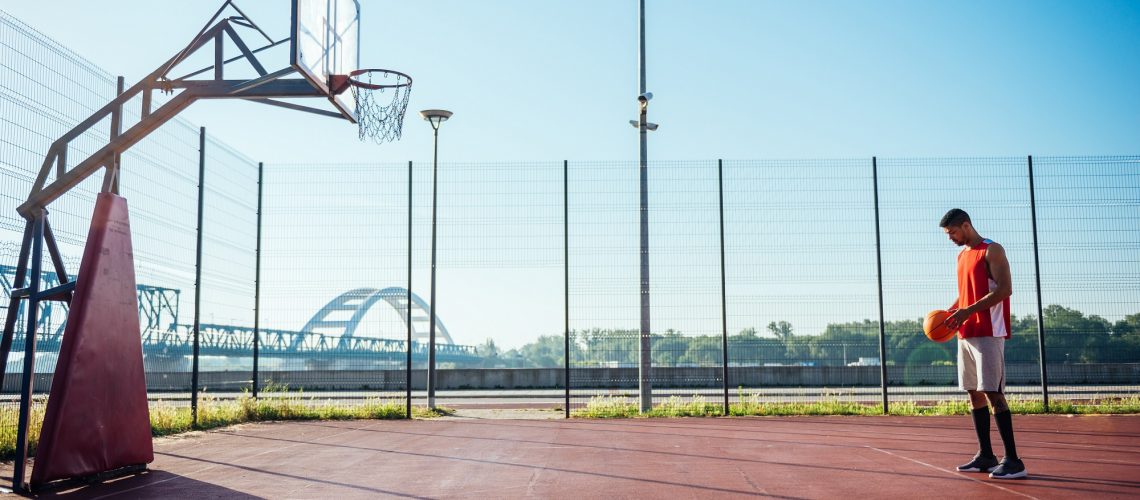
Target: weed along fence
[769,280]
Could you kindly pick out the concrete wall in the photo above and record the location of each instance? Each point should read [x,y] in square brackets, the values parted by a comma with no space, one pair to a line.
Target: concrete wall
[1127,374]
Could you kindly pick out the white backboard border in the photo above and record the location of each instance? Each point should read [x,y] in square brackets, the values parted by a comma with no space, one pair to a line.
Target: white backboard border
[320,47]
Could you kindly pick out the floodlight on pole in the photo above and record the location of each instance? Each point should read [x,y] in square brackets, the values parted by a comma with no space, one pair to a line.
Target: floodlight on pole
[435,117]
[649,126]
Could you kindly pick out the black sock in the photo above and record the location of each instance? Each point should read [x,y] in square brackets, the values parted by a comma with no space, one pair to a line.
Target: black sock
[1005,428]
[982,426]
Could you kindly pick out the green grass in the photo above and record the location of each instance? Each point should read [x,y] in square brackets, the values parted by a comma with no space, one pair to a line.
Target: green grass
[750,404]
[275,403]
[279,403]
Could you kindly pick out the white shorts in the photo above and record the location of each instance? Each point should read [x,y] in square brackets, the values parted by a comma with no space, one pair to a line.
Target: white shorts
[981,364]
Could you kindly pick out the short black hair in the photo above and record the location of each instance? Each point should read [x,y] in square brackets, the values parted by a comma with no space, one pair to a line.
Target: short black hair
[955,217]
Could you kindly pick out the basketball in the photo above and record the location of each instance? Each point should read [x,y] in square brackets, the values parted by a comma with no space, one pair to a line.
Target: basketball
[934,327]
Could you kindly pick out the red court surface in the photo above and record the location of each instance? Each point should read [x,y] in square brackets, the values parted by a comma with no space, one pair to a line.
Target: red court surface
[780,457]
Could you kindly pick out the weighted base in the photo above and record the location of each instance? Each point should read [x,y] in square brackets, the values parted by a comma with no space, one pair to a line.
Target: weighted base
[97,418]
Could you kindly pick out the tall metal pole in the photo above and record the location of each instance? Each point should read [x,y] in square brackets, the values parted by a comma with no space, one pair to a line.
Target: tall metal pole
[723,297]
[408,318]
[28,377]
[198,277]
[1037,279]
[879,263]
[566,278]
[645,356]
[257,281]
[432,314]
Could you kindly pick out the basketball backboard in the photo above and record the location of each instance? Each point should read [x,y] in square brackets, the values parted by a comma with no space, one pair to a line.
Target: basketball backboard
[325,41]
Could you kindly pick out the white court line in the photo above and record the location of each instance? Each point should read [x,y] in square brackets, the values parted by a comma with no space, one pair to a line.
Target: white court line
[954,473]
[214,466]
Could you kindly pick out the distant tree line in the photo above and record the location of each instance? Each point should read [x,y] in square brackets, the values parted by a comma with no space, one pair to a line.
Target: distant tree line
[1071,337]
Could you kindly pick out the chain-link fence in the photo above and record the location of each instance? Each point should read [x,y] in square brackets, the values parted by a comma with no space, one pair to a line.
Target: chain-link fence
[768,281]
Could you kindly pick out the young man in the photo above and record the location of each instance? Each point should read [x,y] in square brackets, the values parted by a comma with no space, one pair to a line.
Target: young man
[981,316]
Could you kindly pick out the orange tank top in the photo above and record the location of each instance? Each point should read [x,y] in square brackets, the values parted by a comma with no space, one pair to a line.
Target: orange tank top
[974,282]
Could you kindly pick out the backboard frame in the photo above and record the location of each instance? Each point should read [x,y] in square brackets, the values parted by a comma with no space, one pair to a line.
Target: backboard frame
[319,78]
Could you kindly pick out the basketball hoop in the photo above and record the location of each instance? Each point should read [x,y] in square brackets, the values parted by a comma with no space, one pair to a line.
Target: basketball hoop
[379,118]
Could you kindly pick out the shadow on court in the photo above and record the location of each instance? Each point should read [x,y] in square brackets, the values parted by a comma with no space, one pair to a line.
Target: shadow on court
[778,457]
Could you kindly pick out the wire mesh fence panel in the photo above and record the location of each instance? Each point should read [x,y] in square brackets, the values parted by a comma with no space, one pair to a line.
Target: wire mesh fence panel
[499,297]
[801,281]
[333,280]
[684,285]
[604,283]
[160,182]
[801,276]
[45,89]
[229,243]
[1088,219]
[919,266]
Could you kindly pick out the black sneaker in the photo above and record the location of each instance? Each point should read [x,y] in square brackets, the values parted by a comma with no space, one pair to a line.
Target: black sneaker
[980,463]
[1009,468]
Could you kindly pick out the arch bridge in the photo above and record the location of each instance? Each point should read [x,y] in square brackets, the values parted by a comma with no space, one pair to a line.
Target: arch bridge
[323,339]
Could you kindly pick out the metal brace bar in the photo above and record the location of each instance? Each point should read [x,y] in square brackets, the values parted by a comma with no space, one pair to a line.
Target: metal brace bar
[264,79]
[298,107]
[61,161]
[61,293]
[250,21]
[14,302]
[245,51]
[109,178]
[219,54]
[232,59]
[117,131]
[53,251]
[41,178]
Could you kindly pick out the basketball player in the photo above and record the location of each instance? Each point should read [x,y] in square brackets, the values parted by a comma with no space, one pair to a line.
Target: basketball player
[981,316]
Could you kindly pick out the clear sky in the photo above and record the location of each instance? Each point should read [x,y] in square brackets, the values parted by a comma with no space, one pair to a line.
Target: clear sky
[732,79]
[557,80]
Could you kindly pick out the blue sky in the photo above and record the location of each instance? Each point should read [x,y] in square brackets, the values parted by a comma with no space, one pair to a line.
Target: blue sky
[732,79]
[737,80]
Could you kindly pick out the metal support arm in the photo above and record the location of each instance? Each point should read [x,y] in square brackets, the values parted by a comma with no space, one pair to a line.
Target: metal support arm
[269,85]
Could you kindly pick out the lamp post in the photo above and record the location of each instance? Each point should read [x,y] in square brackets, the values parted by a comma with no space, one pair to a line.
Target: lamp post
[435,117]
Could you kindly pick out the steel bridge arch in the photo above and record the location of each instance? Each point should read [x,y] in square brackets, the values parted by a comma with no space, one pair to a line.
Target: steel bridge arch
[356,304]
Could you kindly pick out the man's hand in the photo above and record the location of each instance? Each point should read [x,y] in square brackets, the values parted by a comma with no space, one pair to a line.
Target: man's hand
[957,317]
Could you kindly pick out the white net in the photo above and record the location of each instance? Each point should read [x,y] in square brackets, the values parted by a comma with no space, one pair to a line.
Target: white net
[381,100]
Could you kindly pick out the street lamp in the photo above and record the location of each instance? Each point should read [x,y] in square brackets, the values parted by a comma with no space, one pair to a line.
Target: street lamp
[435,117]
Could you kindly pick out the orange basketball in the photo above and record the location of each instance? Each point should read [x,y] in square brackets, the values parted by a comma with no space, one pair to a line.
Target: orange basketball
[935,328]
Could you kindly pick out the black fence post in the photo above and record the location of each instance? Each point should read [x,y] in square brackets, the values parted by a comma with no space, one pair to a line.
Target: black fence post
[723,298]
[257,281]
[1037,278]
[408,318]
[198,277]
[566,278]
[879,264]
